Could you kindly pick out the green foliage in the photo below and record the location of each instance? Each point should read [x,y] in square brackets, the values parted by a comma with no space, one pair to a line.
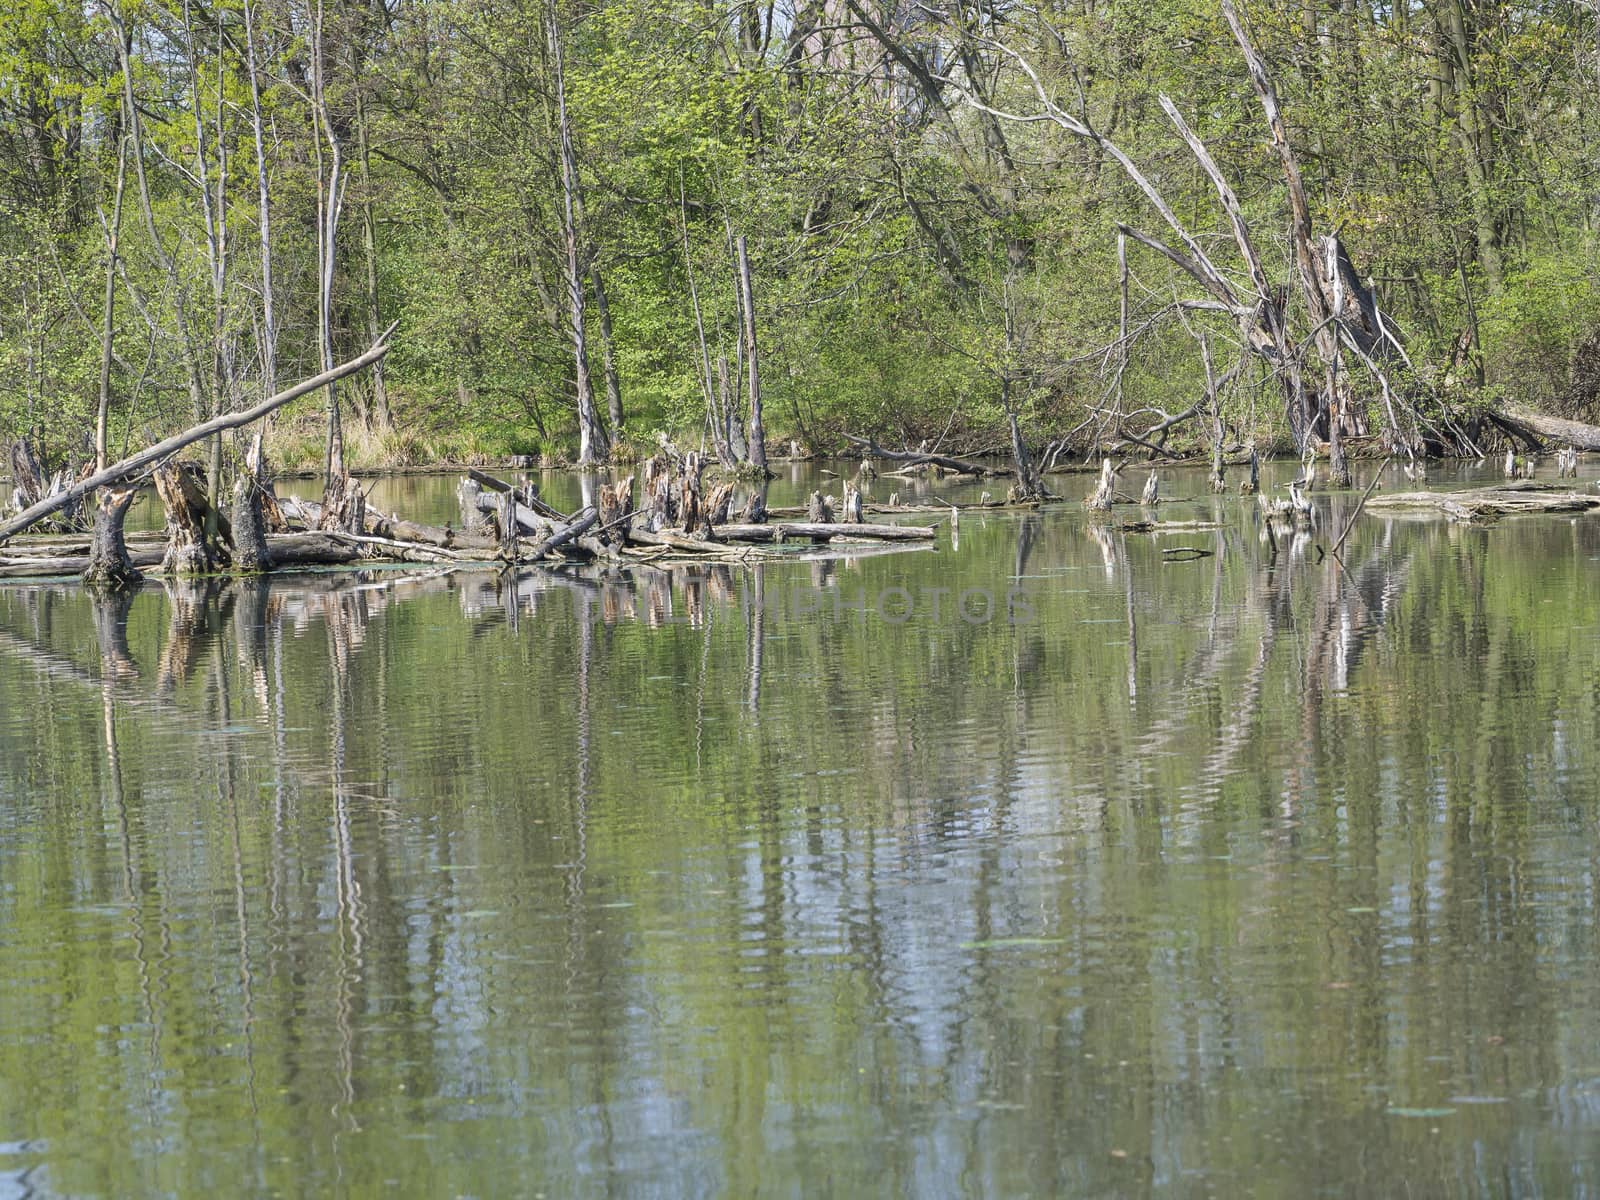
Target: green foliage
[913,261]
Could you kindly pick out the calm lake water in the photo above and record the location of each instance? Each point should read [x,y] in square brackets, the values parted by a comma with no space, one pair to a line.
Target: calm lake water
[1120,873]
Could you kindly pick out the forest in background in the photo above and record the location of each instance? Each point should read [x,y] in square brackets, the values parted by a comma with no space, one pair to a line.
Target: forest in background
[587,219]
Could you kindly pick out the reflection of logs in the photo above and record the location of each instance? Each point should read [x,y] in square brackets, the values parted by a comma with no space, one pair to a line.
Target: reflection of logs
[111,609]
[188,602]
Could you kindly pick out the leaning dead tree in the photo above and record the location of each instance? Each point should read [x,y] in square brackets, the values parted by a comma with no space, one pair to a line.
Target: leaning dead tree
[138,464]
[1340,323]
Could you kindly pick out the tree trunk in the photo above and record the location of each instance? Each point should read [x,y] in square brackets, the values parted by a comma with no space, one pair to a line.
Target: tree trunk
[109,564]
[593,446]
[758,433]
[608,354]
[189,552]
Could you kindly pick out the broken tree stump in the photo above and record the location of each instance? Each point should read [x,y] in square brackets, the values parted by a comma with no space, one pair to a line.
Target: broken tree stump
[852,504]
[189,551]
[819,509]
[616,506]
[1105,491]
[109,563]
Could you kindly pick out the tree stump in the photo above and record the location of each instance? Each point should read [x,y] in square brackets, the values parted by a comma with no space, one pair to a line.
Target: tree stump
[755,508]
[689,504]
[660,507]
[1150,494]
[718,505]
[1105,492]
[189,552]
[819,509]
[616,505]
[251,555]
[467,495]
[109,564]
[852,504]
[1249,487]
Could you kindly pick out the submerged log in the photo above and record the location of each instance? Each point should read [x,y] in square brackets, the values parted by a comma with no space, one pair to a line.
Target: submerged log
[824,531]
[109,563]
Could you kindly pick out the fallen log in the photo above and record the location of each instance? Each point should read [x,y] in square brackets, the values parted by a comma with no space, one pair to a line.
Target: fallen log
[918,457]
[381,525]
[1573,433]
[152,455]
[822,532]
[584,522]
[287,550]
[1478,504]
[527,496]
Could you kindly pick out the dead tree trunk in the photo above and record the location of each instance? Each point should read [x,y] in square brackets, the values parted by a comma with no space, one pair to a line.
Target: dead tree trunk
[758,433]
[1105,491]
[689,505]
[109,564]
[163,450]
[251,555]
[616,506]
[189,551]
[593,446]
[852,504]
[660,508]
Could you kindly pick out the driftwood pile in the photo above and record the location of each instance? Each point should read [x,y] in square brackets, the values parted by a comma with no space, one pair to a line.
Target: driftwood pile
[679,515]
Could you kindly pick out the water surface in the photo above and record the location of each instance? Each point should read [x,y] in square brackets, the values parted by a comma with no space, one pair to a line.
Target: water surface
[1249,874]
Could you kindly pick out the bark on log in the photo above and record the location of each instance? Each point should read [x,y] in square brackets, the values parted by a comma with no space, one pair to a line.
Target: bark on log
[251,555]
[136,463]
